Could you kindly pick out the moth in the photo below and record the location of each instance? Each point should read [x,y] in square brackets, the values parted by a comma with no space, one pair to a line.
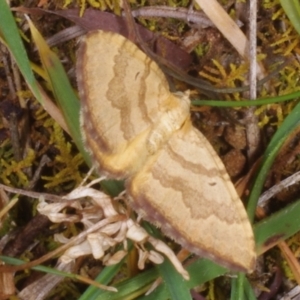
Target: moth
[137,130]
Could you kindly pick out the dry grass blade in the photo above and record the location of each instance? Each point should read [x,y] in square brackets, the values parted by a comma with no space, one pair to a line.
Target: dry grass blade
[228,28]
[226,25]
[291,259]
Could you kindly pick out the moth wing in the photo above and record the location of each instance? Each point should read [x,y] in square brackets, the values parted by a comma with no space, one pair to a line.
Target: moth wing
[186,190]
[122,92]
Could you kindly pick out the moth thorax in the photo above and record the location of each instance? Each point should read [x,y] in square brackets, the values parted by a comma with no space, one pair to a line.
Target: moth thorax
[172,119]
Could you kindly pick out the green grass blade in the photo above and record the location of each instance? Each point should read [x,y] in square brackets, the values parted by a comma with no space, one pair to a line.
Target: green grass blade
[10,34]
[48,270]
[277,227]
[61,87]
[201,271]
[237,287]
[176,286]
[290,123]
[292,9]
[241,288]
[173,286]
[248,290]
[105,277]
[130,288]
[247,103]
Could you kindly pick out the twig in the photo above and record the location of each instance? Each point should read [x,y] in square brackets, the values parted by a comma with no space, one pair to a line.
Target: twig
[252,129]
[253,44]
[30,193]
[18,83]
[180,13]
[36,176]
[293,179]
[4,54]
[293,294]
[65,35]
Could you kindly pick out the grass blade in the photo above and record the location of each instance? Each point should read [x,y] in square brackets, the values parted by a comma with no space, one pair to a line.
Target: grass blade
[290,123]
[61,87]
[10,34]
[292,9]
[176,286]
